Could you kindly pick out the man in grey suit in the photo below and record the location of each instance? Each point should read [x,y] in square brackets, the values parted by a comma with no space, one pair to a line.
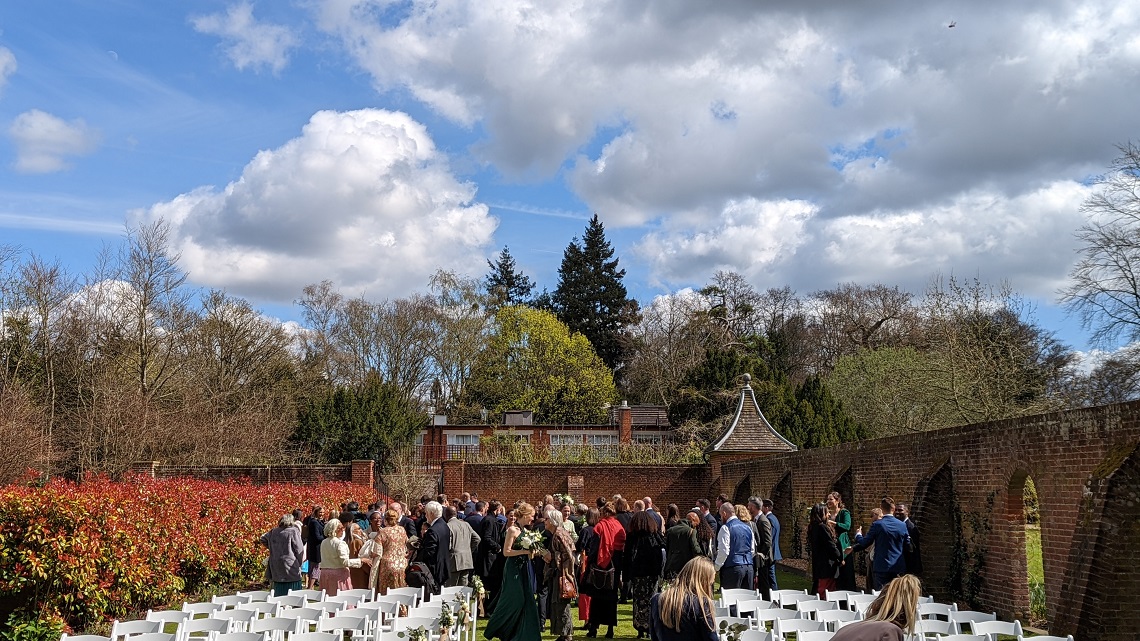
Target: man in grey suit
[464,541]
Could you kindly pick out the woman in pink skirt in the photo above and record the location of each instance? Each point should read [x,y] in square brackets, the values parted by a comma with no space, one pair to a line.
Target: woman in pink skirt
[336,560]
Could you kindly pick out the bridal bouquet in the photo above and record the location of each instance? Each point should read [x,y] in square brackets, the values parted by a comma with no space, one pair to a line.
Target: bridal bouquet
[529,541]
[563,499]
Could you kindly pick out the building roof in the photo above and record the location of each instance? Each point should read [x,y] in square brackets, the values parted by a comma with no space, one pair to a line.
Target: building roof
[641,416]
[749,431]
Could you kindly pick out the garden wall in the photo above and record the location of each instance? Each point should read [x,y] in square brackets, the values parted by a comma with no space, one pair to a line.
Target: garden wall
[356,472]
[965,486]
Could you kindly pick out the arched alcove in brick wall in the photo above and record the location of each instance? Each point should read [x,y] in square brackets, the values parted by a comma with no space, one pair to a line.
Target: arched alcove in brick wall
[743,491]
[782,508]
[935,513]
[1112,598]
[1012,523]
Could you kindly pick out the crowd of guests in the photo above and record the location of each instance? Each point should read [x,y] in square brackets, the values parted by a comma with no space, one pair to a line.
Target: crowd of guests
[533,563]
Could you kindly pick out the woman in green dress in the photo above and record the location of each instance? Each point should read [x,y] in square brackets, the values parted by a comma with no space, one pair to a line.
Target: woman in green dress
[515,617]
[840,518]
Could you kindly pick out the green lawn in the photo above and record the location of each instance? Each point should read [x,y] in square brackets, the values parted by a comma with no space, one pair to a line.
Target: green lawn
[624,629]
[1033,554]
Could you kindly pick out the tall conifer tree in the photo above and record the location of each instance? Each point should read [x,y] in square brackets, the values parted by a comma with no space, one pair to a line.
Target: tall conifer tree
[505,285]
[591,299]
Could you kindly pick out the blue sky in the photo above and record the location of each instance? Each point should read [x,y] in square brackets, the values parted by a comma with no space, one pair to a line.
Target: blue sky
[370,142]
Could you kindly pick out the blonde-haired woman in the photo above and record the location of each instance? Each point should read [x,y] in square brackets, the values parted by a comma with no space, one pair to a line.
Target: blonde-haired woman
[684,611]
[891,617]
[515,617]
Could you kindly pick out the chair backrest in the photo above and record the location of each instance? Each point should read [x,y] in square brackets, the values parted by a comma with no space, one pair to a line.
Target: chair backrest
[409,600]
[327,606]
[859,602]
[790,600]
[418,593]
[930,627]
[208,626]
[82,637]
[167,616]
[240,636]
[404,623]
[387,608]
[993,628]
[969,617]
[231,600]
[315,636]
[982,637]
[427,610]
[342,623]
[256,595]
[365,594]
[721,612]
[351,600]
[833,616]
[842,624]
[262,608]
[838,595]
[814,635]
[732,595]
[275,629]
[239,619]
[815,606]
[125,628]
[775,614]
[1043,637]
[755,635]
[203,609]
[784,627]
[458,589]
[154,636]
[310,595]
[933,610]
[291,600]
[746,607]
[778,595]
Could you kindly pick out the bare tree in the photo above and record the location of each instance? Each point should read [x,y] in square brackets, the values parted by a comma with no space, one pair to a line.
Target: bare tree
[460,325]
[670,339]
[853,317]
[1104,291]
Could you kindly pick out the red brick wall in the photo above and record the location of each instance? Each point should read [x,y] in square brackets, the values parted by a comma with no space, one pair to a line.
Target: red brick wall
[665,484]
[359,472]
[965,487]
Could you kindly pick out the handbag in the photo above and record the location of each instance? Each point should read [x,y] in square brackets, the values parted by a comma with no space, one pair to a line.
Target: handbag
[567,588]
[601,579]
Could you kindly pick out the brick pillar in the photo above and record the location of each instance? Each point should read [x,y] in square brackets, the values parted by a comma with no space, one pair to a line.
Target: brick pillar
[145,468]
[625,424]
[453,481]
[362,473]
[575,486]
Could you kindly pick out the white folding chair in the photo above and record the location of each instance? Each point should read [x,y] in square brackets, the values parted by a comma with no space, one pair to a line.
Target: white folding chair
[721,612]
[408,600]
[358,626]
[315,636]
[732,595]
[1044,637]
[275,629]
[83,637]
[365,594]
[778,595]
[405,623]
[204,609]
[291,600]
[310,595]
[748,607]
[968,617]
[154,636]
[831,617]
[935,610]
[240,636]
[256,595]
[230,601]
[418,593]
[991,629]
[842,624]
[814,635]
[982,637]
[239,619]
[263,609]
[791,600]
[167,616]
[932,628]
[307,617]
[328,607]
[839,596]
[203,628]
[123,629]
[773,615]
[465,590]
[925,599]
[349,600]
[784,627]
[808,609]
[731,621]
[755,635]
[388,610]
[859,602]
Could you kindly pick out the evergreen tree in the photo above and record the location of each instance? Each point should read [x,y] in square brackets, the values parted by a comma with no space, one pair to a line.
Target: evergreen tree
[505,285]
[591,299]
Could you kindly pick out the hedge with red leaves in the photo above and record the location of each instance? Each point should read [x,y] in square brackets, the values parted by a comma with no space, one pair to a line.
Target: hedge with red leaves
[104,549]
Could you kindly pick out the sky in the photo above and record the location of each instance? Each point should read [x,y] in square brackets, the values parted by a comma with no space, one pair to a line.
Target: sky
[372,142]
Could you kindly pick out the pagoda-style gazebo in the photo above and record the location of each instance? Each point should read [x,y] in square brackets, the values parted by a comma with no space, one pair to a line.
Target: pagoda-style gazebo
[749,435]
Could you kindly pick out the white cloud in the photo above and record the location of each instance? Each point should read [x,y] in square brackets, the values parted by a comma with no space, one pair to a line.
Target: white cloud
[43,141]
[7,65]
[362,198]
[248,42]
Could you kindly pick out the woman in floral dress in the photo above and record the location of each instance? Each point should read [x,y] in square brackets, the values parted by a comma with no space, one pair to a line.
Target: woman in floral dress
[394,558]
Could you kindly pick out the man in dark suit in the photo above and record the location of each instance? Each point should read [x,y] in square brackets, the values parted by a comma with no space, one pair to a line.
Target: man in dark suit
[889,536]
[435,547]
[488,559]
[776,556]
[910,552]
[475,518]
[762,557]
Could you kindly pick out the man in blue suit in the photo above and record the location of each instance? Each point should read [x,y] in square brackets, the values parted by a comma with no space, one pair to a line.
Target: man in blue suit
[889,536]
[776,556]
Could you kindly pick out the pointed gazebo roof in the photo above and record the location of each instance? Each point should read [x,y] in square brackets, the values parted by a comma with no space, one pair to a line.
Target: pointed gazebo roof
[749,430]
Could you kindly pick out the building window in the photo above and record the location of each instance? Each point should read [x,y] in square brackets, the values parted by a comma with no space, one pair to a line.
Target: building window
[602,439]
[462,439]
[562,440]
[420,439]
[647,439]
